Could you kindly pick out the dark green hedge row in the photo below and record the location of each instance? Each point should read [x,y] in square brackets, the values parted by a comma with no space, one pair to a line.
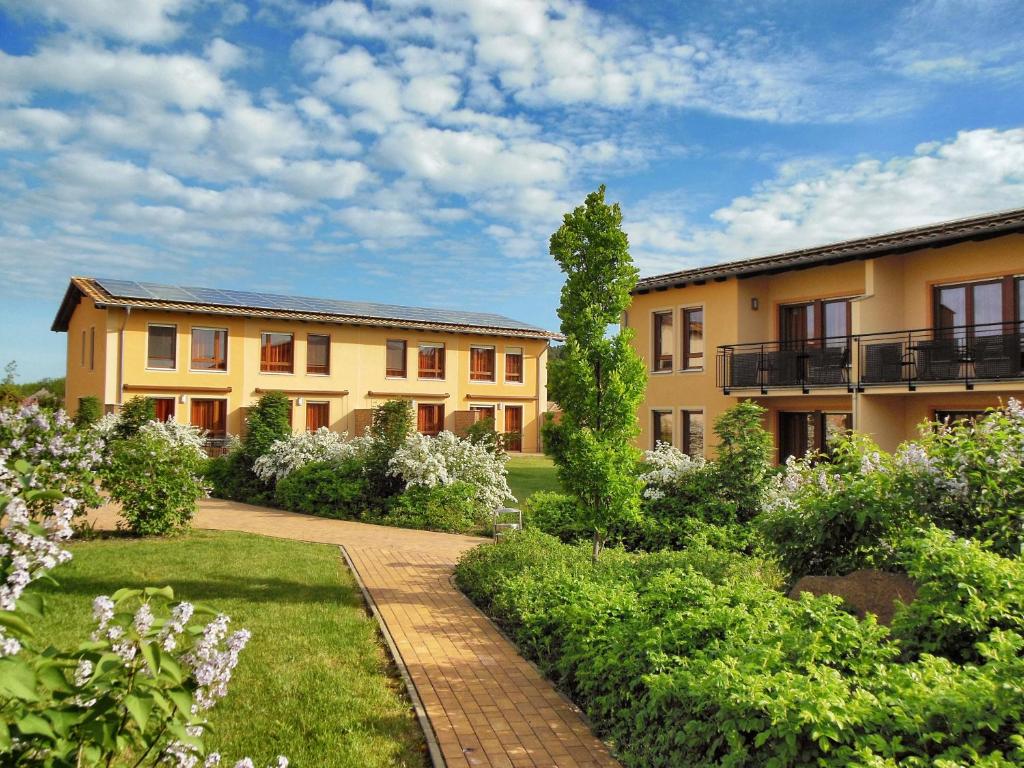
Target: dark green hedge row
[695,658]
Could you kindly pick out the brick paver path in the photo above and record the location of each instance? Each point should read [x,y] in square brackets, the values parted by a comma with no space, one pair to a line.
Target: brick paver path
[486,705]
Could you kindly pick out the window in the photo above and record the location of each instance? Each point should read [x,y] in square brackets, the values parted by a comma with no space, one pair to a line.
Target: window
[92,348]
[396,359]
[693,339]
[693,433]
[430,418]
[803,433]
[277,352]
[162,344]
[663,341]
[211,415]
[661,428]
[431,361]
[83,348]
[317,415]
[514,365]
[514,428]
[814,321]
[481,412]
[164,408]
[318,354]
[975,304]
[209,349]
[481,364]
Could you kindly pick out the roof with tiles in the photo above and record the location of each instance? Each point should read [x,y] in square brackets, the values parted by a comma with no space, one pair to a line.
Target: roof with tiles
[931,236]
[108,292]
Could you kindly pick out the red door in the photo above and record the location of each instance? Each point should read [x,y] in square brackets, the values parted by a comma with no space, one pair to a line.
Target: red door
[513,427]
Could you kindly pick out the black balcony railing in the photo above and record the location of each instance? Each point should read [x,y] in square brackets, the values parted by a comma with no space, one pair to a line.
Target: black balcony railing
[911,358]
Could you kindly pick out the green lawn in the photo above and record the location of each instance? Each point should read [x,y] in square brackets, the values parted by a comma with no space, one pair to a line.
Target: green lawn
[527,474]
[314,684]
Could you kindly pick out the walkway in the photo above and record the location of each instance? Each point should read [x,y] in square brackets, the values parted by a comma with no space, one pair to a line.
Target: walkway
[486,705]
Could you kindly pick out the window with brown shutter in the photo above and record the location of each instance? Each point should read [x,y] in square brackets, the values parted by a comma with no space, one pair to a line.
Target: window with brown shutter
[318,354]
[317,415]
[277,352]
[396,365]
[663,341]
[211,415]
[209,349]
[161,347]
[513,428]
[514,365]
[430,418]
[481,363]
[431,361]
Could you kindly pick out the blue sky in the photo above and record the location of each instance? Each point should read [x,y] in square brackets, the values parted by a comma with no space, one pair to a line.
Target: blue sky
[422,151]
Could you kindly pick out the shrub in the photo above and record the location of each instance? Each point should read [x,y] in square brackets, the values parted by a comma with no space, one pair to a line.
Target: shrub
[141,684]
[447,459]
[327,489]
[182,435]
[392,423]
[60,455]
[157,482]
[295,451]
[695,658]
[268,421]
[133,414]
[484,434]
[89,411]
[744,459]
[449,508]
[557,514]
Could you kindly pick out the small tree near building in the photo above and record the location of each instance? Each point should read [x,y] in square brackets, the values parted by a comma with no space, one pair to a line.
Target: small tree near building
[598,380]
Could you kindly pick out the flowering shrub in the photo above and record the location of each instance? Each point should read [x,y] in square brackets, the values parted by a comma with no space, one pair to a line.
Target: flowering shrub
[295,451]
[141,684]
[157,481]
[178,435]
[447,459]
[665,467]
[61,455]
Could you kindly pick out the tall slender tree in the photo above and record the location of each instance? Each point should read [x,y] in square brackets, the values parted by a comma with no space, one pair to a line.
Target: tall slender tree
[598,381]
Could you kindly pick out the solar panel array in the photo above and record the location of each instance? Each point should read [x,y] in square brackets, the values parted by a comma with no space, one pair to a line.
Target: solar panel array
[130,289]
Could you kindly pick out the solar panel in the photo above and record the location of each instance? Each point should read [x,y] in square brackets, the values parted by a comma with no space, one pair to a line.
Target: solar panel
[196,295]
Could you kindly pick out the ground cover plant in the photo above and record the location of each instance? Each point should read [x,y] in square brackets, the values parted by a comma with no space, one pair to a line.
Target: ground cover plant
[314,681]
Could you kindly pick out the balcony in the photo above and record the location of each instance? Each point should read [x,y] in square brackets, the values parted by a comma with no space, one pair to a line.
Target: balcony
[963,354]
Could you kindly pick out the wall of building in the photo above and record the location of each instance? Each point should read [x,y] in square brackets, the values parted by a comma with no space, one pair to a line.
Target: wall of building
[86,356]
[357,378]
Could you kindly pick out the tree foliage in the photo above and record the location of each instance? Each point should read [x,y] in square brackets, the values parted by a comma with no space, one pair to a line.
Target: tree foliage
[268,421]
[89,411]
[133,414]
[598,380]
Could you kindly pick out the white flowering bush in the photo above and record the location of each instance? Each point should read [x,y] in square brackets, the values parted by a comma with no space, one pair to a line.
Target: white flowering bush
[60,455]
[447,459]
[666,467]
[141,684]
[178,435]
[105,429]
[295,451]
[850,511]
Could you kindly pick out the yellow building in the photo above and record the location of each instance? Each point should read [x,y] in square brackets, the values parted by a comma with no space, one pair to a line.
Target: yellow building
[205,356]
[876,334]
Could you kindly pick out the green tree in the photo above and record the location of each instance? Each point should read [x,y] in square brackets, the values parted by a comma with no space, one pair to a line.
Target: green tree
[133,414]
[89,411]
[10,395]
[392,423]
[744,457]
[598,380]
[269,420]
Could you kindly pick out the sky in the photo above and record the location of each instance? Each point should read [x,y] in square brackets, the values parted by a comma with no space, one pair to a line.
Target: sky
[423,151]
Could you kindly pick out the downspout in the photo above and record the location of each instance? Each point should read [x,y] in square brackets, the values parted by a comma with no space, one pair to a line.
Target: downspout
[869,293]
[120,358]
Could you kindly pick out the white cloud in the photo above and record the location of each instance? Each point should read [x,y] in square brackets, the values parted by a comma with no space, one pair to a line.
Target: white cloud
[383,224]
[26,127]
[314,180]
[977,172]
[144,21]
[224,56]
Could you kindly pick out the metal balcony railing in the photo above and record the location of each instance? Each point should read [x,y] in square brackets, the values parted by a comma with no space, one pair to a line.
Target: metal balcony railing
[960,354]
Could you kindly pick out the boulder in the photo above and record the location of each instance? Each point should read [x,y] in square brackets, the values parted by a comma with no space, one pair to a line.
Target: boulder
[864,591]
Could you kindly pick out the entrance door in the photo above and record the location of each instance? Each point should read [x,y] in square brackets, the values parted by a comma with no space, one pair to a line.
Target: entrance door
[211,415]
[514,427]
[804,432]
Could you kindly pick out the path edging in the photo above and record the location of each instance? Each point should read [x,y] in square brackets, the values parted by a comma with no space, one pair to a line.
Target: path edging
[436,758]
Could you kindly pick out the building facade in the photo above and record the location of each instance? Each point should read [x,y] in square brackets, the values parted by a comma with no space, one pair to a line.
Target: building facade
[877,334]
[206,356]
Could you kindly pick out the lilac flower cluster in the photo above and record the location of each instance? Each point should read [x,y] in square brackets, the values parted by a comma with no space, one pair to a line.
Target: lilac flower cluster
[212,661]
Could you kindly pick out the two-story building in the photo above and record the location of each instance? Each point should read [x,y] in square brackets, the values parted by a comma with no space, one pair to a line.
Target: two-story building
[876,334]
[205,356]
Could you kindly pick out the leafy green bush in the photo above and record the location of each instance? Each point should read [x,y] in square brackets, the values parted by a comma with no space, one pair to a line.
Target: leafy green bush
[269,420]
[696,658]
[392,423]
[89,411]
[449,508]
[744,459]
[557,514]
[157,483]
[327,489]
[483,433]
[133,414]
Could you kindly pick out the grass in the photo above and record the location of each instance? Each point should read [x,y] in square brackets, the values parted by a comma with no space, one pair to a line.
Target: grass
[314,683]
[528,474]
